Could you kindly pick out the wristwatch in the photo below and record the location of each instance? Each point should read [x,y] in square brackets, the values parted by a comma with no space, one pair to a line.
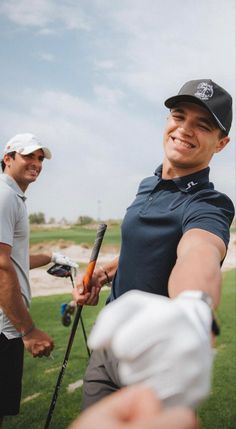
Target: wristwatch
[199,294]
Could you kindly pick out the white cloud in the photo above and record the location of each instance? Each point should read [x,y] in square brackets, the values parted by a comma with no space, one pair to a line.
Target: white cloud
[96,152]
[45,56]
[104,64]
[41,13]
[108,95]
[102,111]
[169,43]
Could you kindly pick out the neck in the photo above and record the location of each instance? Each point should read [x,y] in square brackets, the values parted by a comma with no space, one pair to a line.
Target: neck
[170,171]
[23,186]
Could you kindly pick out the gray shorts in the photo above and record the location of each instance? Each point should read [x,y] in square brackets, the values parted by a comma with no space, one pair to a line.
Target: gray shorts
[101,378]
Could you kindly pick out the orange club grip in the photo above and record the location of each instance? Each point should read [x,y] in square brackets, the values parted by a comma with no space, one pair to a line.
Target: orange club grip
[88,275]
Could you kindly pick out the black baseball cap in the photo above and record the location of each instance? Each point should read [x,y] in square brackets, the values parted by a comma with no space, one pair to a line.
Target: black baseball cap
[208,94]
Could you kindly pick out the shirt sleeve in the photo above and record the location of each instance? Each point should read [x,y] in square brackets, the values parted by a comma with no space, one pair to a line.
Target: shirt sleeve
[212,211]
[8,216]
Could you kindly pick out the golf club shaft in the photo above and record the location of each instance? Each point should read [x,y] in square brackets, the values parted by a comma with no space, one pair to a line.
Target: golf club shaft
[85,336]
[86,280]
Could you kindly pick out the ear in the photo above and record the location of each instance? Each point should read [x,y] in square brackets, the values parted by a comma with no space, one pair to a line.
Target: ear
[6,158]
[222,143]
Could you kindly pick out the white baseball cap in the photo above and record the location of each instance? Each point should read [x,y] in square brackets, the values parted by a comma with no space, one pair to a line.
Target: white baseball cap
[24,144]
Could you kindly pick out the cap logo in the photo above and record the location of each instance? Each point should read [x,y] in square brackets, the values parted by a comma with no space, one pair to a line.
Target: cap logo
[204,91]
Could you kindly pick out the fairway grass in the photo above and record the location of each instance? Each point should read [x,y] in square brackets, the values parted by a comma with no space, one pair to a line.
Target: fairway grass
[76,234]
[40,375]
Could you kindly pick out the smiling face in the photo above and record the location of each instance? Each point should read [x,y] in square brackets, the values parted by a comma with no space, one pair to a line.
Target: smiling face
[190,140]
[24,169]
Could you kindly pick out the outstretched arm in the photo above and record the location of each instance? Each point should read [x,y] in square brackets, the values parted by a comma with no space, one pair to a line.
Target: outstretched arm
[197,267]
[57,258]
[40,259]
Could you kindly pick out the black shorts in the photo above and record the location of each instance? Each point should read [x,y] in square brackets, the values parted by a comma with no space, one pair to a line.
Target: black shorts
[11,370]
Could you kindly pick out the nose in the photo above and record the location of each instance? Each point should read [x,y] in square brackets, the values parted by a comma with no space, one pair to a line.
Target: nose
[186,128]
[36,162]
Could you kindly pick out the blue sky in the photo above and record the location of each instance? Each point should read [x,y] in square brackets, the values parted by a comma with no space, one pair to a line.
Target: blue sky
[89,78]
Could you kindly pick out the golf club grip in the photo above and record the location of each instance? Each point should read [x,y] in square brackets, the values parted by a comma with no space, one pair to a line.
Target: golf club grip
[94,255]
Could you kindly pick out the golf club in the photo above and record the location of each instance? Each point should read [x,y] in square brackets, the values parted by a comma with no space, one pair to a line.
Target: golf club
[67,310]
[86,280]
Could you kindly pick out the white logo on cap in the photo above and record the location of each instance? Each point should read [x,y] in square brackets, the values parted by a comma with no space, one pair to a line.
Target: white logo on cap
[204,91]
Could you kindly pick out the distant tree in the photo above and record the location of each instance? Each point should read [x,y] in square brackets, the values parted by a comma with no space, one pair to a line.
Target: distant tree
[63,221]
[84,220]
[52,221]
[38,218]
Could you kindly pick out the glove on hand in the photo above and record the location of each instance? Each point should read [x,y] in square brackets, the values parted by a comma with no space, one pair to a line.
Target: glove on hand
[165,343]
[58,258]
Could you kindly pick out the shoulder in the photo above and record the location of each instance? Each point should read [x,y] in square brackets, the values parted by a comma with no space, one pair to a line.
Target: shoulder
[147,183]
[211,198]
[209,210]
[9,201]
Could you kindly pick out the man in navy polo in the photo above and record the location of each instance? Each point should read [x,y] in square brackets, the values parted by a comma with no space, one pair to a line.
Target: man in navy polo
[167,279]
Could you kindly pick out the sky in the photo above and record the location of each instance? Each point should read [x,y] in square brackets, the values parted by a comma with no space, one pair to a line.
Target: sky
[89,79]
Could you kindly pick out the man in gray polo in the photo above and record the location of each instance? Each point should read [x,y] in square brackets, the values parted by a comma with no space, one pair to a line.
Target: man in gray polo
[21,164]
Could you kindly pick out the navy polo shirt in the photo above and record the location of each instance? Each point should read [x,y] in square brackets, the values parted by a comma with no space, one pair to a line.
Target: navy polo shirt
[161,213]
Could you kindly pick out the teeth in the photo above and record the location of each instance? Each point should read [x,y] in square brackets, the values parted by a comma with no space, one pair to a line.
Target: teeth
[188,145]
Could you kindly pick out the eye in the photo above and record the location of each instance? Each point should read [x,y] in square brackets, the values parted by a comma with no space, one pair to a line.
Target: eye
[204,127]
[177,116]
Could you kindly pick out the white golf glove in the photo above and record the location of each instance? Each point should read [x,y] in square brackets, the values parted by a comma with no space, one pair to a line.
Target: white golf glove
[165,343]
[58,258]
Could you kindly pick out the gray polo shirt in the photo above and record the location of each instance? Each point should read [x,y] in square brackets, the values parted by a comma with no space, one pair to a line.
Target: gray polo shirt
[14,231]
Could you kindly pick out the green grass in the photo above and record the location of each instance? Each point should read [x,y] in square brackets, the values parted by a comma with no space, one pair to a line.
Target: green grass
[219,411]
[76,234]
[40,375]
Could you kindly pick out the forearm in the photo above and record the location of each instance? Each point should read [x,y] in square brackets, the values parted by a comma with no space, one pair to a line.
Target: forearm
[107,271]
[40,260]
[11,300]
[198,269]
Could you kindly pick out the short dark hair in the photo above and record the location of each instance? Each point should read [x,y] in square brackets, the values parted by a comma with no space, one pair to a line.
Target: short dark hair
[12,155]
[222,134]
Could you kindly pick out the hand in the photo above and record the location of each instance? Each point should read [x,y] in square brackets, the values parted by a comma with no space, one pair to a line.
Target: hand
[58,258]
[38,343]
[134,408]
[81,296]
[162,342]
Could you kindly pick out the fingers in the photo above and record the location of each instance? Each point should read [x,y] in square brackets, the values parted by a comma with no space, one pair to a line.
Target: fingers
[135,403]
[79,297]
[94,296]
[38,343]
[41,349]
[83,297]
[178,418]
